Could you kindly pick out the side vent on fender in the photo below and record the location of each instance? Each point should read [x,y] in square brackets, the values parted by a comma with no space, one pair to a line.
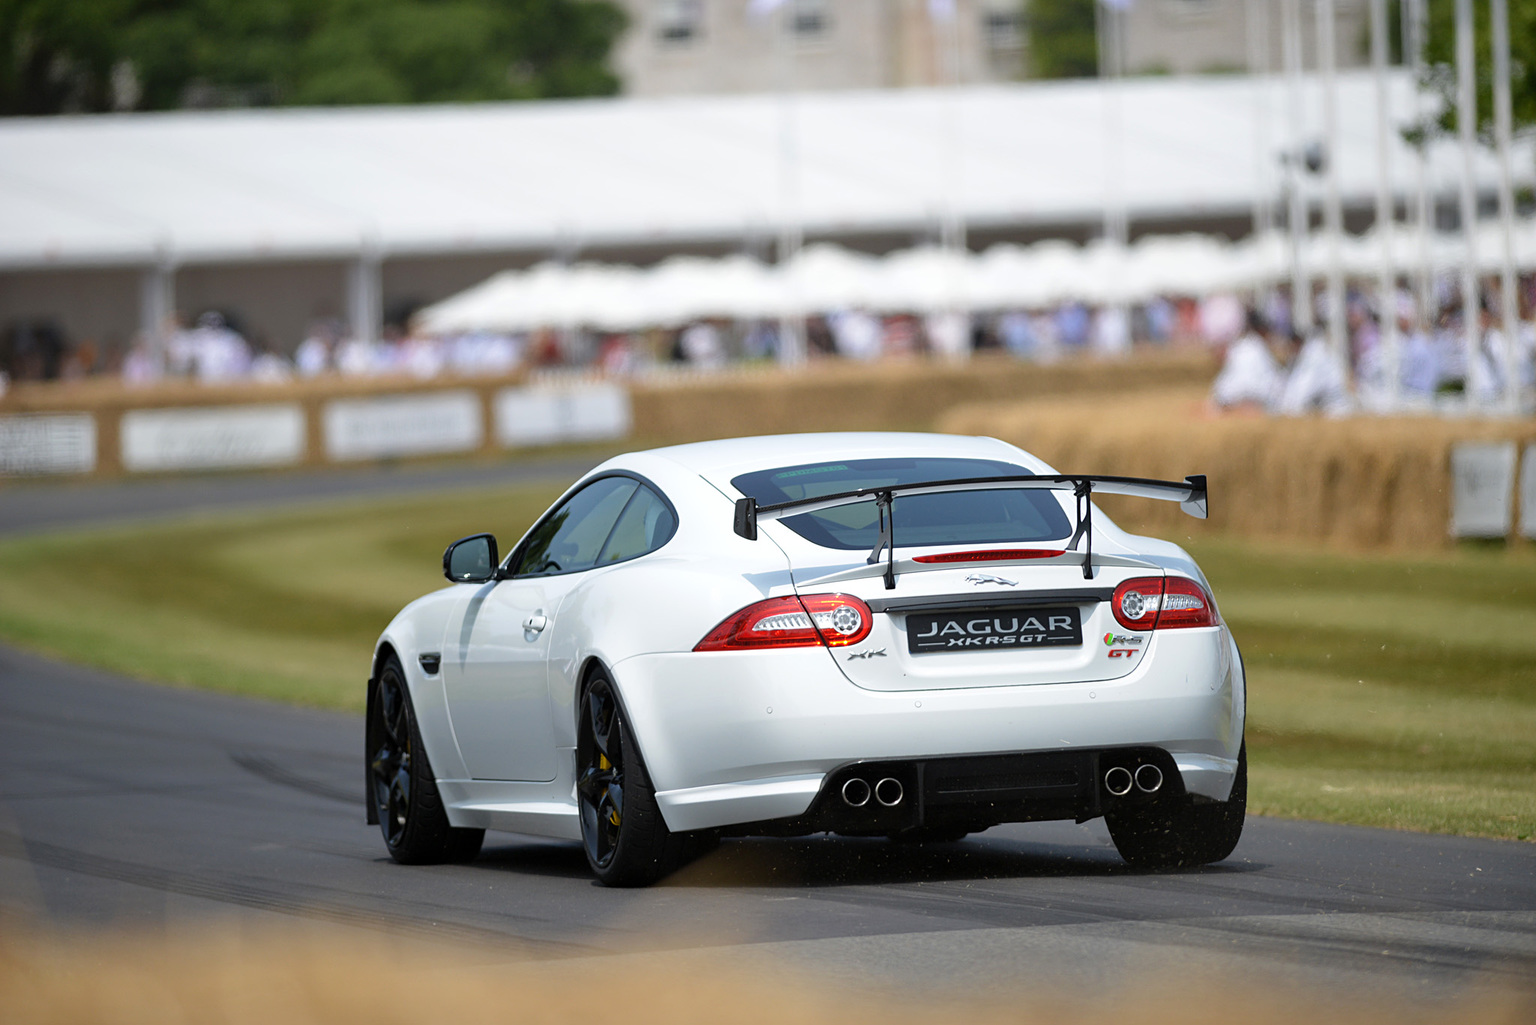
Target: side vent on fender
[430,660]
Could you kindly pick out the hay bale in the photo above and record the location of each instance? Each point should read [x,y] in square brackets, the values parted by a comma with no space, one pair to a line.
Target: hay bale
[894,395]
[1361,483]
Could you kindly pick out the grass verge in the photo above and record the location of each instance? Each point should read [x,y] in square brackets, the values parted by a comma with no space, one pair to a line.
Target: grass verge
[1383,690]
[1387,690]
[282,605]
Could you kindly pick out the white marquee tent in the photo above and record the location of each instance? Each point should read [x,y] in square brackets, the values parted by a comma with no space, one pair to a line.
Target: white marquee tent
[289,184]
[825,278]
[165,193]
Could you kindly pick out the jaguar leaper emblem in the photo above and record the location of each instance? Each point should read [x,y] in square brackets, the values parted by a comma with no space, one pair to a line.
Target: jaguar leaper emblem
[987,578]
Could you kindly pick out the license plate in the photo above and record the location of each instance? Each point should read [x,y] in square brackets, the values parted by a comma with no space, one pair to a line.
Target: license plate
[993,629]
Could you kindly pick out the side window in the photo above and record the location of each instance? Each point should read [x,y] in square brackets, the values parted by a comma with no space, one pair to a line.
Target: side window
[571,537]
[646,525]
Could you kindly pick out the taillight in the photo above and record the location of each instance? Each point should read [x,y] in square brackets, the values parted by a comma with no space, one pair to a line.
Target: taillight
[1167,603]
[992,555]
[793,622]
[1185,603]
[1135,603]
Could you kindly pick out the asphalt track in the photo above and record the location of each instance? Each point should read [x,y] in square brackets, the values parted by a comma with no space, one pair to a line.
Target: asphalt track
[123,803]
[30,507]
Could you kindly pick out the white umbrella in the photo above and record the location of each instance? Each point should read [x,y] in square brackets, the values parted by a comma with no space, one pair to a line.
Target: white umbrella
[920,280]
[826,277]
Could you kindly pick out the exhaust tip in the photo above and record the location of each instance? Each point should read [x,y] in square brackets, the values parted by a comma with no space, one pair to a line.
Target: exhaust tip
[889,792]
[856,793]
[1118,781]
[1149,778]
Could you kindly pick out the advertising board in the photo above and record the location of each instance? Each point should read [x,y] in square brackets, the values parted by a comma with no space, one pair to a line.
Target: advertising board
[45,443]
[212,438]
[403,425]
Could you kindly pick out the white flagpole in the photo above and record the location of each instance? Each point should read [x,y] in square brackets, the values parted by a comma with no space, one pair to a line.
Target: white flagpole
[1386,282]
[1502,127]
[946,35]
[1257,14]
[1414,29]
[1297,215]
[792,347]
[1466,124]
[1333,208]
[1111,38]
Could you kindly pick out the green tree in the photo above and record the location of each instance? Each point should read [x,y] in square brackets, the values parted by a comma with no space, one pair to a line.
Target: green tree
[1063,39]
[1440,60]
[94,55]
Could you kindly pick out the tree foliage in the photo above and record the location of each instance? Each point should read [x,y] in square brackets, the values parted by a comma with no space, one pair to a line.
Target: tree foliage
[1440,58]
[59,56]
[1063,39]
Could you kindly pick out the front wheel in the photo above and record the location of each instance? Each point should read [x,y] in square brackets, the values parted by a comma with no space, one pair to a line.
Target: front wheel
[626,840]
[401,784]
[1180,834]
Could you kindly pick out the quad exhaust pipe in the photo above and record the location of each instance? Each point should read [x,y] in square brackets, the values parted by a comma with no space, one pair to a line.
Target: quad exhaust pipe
[1119,781]
[857,792]
[1147,778]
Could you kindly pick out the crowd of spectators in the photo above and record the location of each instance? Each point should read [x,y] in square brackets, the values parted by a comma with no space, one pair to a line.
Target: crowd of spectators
[1268,364]
[1276,368]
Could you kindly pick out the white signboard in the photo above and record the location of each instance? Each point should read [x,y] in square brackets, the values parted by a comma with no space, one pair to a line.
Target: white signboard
[403,425]
[214,437]
[547,416]
[1482,488]
[1528,493]
[47,443]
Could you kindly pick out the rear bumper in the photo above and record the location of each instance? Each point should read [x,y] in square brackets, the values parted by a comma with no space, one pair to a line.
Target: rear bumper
[747,737]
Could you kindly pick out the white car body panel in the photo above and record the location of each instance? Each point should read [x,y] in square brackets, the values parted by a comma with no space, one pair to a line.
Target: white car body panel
[740,737]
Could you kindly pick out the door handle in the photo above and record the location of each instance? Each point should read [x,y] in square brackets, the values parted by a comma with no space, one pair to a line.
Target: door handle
[536,622]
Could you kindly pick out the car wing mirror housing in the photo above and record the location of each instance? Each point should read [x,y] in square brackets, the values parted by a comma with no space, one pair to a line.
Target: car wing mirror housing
[471,560]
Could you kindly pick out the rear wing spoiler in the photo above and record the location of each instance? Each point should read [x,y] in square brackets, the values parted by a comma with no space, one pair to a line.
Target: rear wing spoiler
[1191,495]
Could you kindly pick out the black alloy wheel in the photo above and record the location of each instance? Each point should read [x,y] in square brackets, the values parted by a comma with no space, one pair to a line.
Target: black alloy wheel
[391,761]
[601,782]
[626,838]
[402,785]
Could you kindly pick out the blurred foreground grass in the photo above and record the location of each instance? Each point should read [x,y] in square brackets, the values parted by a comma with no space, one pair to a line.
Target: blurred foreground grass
[316,976]
[1384,690]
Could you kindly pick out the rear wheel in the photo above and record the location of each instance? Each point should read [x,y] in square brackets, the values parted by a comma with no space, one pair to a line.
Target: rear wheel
[401,783]
[626,840]
[1179,834]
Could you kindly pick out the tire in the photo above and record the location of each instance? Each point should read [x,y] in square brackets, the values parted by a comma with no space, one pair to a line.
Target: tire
[401,784]
[1180,833]
[625,838]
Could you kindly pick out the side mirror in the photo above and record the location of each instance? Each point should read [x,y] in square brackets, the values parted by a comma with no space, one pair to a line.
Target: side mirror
[471,560]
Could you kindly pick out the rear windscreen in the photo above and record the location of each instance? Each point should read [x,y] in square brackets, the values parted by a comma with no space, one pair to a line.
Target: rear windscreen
[957,518]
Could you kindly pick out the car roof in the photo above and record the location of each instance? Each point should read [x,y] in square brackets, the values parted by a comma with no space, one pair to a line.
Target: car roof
[731,456]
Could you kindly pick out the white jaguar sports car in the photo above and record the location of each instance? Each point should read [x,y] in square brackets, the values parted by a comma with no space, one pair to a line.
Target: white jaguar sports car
[904,635]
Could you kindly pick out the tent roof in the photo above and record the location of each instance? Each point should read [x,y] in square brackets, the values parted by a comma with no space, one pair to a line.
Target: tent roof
[299,183]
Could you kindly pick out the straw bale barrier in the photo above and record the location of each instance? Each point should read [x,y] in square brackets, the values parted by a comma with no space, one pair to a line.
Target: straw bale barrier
[896,395]
[1364,482]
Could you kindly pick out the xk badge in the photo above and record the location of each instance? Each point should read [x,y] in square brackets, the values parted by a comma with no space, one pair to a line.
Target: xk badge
[866,654]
